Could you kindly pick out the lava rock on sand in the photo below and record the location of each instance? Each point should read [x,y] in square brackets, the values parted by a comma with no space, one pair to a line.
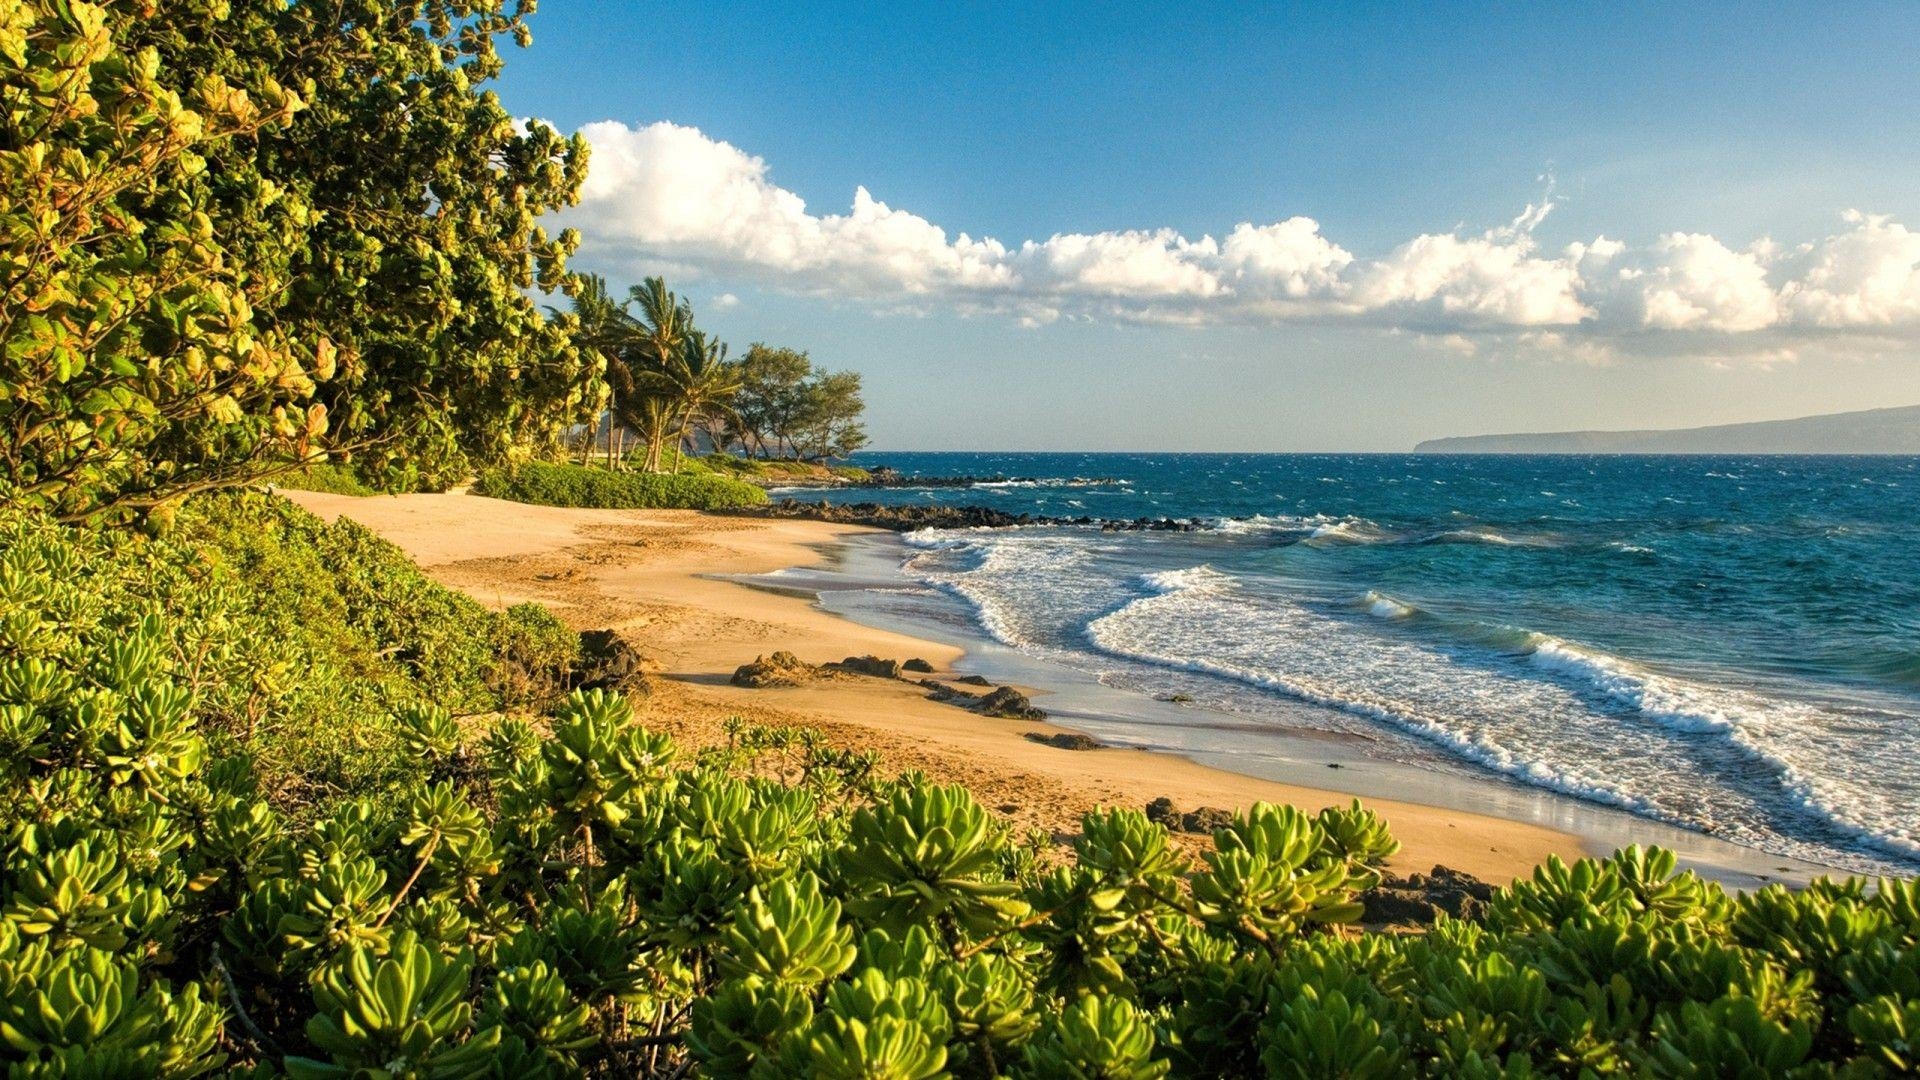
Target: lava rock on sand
[1009,704]
[1202,820]
[869,665]
[607,662]
[781,669]
[1419,899]
[1066,740]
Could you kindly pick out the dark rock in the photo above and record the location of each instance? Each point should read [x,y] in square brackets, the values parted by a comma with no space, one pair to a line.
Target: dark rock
[870,665]
[975,680]
[1009,704]
[917,666]
[1419,899]
[1397,907]
[1178,699]
[1065,740]
[917,516]
[947,694]
[607,662]
[1164,811]
[781,669]
[1206,819]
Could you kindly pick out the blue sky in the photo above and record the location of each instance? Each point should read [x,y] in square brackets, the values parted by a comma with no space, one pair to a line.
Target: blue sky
[1702,157]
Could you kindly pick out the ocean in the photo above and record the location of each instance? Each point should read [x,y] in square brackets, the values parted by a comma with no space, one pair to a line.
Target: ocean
[1726,645]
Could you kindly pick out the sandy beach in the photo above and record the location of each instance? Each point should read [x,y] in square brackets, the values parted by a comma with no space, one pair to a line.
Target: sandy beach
[651,576]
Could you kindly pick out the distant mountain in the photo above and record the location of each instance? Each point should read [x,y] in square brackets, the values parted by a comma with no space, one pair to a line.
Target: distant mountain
[1872,431]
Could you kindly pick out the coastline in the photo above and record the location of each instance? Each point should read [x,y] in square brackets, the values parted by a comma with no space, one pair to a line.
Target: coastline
[700,594]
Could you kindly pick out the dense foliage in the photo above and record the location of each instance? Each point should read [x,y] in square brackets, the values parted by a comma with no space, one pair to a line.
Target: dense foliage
[776,470]
[587,485]
[304,637]
[787,405]
[666,379]
[328,476]
[593,898]
[236,233]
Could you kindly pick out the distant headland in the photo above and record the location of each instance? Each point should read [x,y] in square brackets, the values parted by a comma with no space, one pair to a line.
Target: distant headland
[1870,431]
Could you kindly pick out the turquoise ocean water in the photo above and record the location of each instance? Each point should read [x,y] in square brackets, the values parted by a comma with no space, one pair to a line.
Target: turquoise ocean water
[1731,645]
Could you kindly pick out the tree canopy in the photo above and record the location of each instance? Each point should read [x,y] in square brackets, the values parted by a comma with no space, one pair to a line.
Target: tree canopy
[668,379]
[236,234]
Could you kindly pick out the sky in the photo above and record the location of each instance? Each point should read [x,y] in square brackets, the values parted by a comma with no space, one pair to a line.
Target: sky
[1265,227]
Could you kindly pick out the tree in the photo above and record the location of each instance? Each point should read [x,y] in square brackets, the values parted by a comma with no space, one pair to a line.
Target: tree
[704,382]
[646,399]
[827,422]
[239,233]
[130,364]
[772,385]
[603,326]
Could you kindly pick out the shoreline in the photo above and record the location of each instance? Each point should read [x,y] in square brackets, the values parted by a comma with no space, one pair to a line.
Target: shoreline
[681,586]
[1125,712]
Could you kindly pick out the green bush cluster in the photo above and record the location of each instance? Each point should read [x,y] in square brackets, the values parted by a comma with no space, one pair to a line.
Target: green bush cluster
[300,638]
[548,484]
[582,896]
[773,469]
[327,476]
[238,234]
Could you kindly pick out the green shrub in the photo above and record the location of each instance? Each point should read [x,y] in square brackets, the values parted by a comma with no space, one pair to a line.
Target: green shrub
[605,902]
[298,638]
[328,476]
[546,484]
[773,470]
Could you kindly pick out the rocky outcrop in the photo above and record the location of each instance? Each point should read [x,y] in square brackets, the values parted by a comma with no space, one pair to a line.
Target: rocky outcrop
[886,476]
[1065,740]
[974,680]
[1204,820]
[910,518]
[869,665]
[1419,899]
[1009,704]
[917,666]
[607,662]
[1004,702]
[781,669]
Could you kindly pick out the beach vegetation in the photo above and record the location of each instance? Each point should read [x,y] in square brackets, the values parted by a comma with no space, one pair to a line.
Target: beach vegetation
[536,884]
[670,384]
[238,237]
[788,407]
[280,804]
[564,484]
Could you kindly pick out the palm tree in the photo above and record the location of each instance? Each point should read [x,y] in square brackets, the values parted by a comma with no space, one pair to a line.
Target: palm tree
[704,383]
[607,328]
[664,323]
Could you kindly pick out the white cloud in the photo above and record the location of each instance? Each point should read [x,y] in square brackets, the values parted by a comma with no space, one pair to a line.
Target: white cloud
[665,196]
[726,300]
[1691,281]
[1289,258]
[1867,276]
[1123,264]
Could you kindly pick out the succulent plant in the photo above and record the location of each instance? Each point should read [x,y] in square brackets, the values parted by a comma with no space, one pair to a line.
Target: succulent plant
[173,903]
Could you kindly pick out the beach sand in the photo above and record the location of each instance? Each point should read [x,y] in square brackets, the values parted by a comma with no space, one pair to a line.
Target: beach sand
[650,575]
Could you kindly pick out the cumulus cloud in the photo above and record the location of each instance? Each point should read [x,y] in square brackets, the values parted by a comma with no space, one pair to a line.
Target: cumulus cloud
[1867,276]
[1492,279]
[669,196]
[1288,258]
[1692,281]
